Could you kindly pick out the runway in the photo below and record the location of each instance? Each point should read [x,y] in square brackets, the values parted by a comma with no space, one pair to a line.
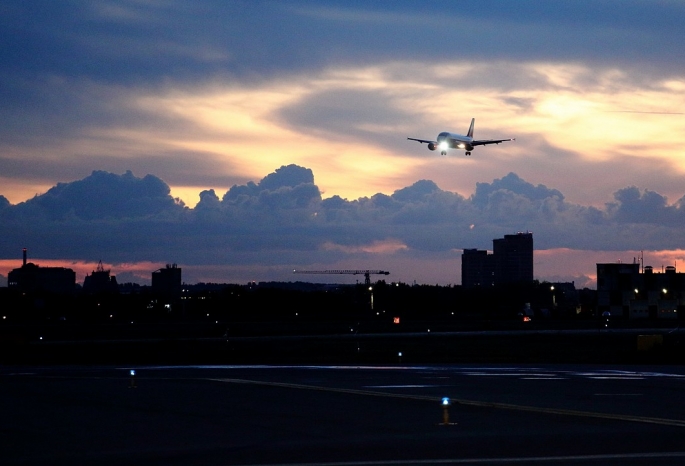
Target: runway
[343,415]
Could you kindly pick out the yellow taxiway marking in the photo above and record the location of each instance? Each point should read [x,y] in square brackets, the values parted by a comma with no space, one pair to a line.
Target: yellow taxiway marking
[481,404]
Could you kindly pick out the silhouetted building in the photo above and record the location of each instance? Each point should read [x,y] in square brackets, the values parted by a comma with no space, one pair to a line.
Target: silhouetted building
[167,282]
[33,278]
[100,281]
[624,291]
[477,268]
[510,262]
[513,258]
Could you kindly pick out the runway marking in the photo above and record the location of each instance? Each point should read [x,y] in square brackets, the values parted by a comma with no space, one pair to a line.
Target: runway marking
[533,459]
[604,377]
[401,386]
[544,378]
[480,404]
[351,391]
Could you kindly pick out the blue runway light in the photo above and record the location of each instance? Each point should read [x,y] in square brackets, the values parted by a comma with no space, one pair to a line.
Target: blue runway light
[445,401]
[133,379]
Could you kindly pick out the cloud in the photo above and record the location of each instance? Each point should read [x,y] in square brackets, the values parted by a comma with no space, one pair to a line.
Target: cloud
[287,177]
[284,215]
[515,185]
[102,195]
[649,207]
[126,41]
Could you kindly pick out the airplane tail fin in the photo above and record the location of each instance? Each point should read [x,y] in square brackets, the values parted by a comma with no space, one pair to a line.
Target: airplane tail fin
[470,133]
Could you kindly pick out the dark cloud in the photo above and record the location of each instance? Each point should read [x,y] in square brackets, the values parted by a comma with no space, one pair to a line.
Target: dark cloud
[102,195]
[512,184]
[283,218]
[416,192]
[209,201]
[288,176]
[646,207]
[289,187]
[129,43]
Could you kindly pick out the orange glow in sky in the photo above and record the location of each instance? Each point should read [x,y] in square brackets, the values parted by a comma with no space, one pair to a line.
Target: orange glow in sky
[244,131]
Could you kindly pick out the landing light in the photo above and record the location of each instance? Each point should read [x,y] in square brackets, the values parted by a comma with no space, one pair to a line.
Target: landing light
[446,401]
[461,146]
[443,145]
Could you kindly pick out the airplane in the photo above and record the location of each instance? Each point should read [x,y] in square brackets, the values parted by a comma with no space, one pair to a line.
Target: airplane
[457,141]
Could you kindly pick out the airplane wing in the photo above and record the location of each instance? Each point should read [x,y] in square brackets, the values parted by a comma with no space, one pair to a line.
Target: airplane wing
[484,142]
[422,141]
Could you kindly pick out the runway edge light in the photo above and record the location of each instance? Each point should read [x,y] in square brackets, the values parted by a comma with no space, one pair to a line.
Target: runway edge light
[446,403]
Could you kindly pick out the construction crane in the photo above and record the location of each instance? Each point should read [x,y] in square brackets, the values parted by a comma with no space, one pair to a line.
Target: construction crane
[366,273]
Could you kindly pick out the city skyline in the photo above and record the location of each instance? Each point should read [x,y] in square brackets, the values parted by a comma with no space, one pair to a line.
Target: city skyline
[216,95]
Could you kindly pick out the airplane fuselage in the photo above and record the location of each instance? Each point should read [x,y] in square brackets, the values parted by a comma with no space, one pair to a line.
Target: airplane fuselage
[448,140]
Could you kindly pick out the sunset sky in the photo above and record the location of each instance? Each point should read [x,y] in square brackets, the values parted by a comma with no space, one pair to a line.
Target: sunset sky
[302,110]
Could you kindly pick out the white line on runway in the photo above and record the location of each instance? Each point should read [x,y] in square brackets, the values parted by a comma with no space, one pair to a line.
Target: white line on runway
[526,460]
[602,377]
[402,386]
[544,378]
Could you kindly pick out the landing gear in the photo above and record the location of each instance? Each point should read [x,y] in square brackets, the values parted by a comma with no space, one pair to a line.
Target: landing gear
[443,152]
[468,153]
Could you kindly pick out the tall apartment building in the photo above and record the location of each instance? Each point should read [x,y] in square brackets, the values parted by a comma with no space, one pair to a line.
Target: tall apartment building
[513,258]
[510,262]
[477,268]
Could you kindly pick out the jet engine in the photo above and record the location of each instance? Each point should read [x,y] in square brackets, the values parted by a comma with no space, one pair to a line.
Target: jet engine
[432,146]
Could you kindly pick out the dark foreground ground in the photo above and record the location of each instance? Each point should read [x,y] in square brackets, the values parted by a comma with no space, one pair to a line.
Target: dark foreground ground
[187,343]
[343,415]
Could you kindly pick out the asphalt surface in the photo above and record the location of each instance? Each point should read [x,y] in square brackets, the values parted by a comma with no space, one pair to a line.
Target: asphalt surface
[343,415]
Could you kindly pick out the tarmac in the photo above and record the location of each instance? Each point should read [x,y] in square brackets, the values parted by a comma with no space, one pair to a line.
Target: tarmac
[342,414]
